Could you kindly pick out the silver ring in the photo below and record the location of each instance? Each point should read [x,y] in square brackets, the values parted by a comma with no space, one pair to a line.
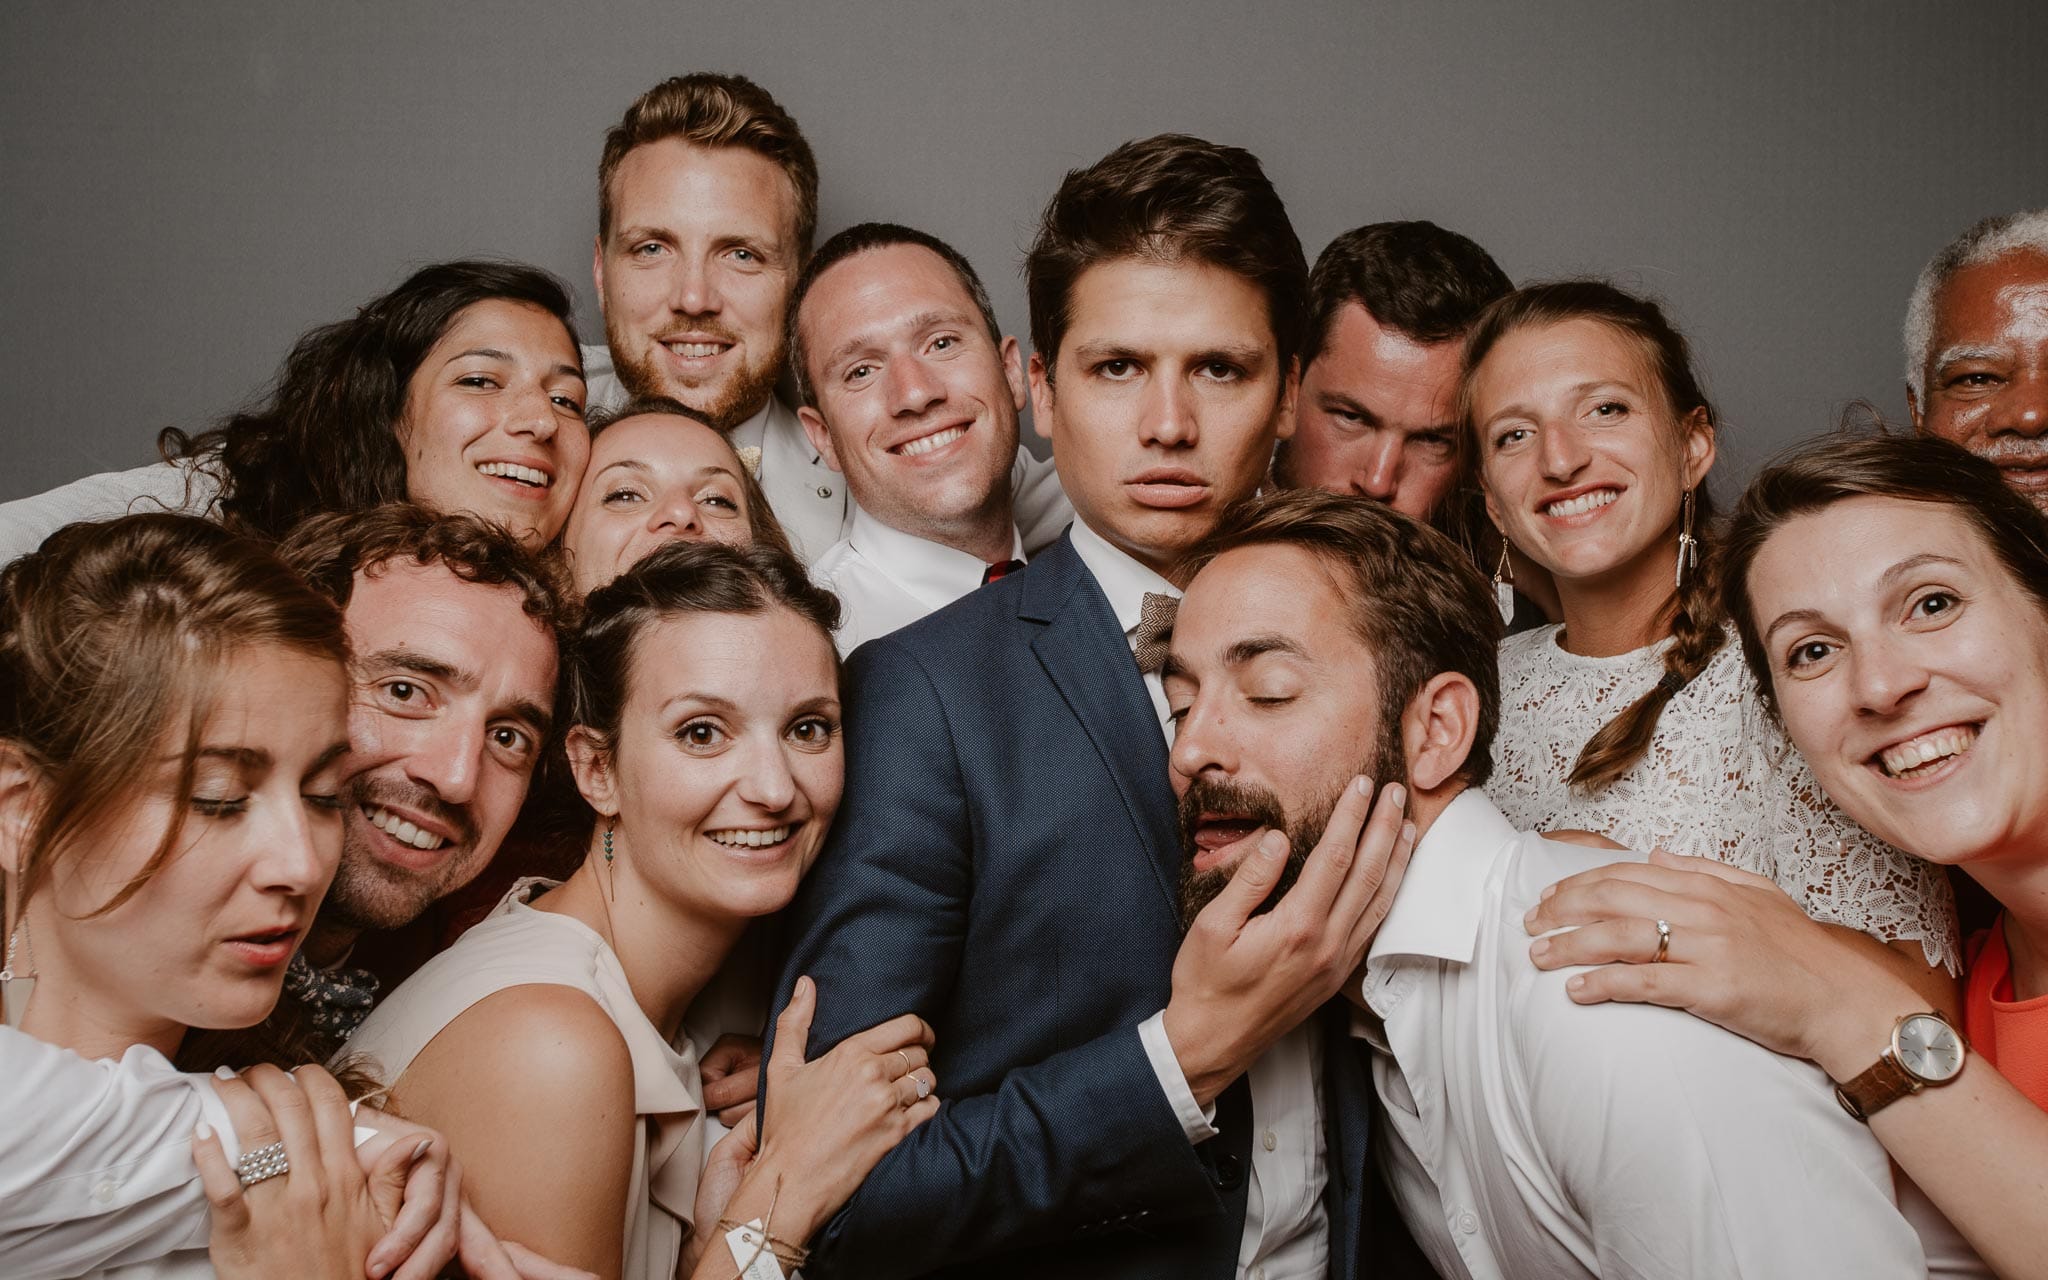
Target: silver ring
[262,1164]
[1663,941]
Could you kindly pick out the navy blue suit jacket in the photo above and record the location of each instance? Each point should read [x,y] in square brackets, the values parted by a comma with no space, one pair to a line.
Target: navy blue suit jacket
[1006,865]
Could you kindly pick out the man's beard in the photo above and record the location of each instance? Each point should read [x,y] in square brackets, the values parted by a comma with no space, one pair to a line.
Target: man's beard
[746,388]
[368,893]
[1199,888]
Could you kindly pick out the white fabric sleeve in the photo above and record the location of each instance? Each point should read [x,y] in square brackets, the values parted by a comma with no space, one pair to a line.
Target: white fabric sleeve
[1691,1151]
[158,486]
[1196,1121]
[96,1159]
[1038,503]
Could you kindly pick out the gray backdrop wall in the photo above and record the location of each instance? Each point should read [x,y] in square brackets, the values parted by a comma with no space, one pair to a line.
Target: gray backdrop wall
[190,186]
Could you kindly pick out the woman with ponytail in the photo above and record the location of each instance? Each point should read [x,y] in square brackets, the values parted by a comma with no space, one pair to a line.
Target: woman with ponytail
[1635,717]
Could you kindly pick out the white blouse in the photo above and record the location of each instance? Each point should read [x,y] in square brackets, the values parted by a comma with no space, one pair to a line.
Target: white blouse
[1720,780]
[96,1172]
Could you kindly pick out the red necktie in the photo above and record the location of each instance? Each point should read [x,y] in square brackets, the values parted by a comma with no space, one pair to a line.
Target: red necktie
[999,570]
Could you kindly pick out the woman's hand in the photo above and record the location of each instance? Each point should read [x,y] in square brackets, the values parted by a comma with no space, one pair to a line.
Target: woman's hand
[731,1072]
[1742,955]
[833,1119]
[322,1216]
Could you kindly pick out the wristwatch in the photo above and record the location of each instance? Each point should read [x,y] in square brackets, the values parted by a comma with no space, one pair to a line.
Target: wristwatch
[1925,1053]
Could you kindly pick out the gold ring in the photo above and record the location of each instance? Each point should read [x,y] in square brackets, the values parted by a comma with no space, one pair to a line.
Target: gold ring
[1663,942]
[907,1068]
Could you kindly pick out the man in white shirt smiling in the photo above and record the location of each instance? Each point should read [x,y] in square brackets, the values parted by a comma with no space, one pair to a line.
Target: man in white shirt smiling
[1524,1135]
[910,391]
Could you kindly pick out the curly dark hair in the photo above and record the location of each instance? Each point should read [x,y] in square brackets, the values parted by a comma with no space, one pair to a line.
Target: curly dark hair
[327,439]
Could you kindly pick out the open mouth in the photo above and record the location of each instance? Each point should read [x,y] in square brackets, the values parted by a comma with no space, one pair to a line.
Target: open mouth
[753,838]
[1219,835]
[401,830]
[531,477]
[270,947]
[696,348]
[1927,754]
[926,444]
[1580,504]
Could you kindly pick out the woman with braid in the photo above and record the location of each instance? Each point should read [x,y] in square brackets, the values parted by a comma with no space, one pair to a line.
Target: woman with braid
[1635,718]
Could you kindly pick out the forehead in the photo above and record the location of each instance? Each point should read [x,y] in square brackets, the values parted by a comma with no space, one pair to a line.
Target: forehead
[875,286]
[1184,304]
[480,627]
[1831,558]
[766,661]
[518,329]
[679,186]
[663,442]
[1265,591]
[1360,350]
[1991,299]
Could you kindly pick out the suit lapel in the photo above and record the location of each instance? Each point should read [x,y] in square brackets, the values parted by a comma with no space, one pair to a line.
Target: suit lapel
[1085,655]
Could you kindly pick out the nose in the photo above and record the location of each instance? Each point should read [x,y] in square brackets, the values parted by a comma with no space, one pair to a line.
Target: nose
[1563,450]
[1378,474]
[1201,742]
[912,388]
[532,415]
[1885,674]
[299,852]
[1169,416]
[693,288]
[2023,409]
[675,514]
[765,779]
[449,758]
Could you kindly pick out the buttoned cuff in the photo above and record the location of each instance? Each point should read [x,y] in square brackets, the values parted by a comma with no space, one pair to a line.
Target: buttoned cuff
[1196,1121]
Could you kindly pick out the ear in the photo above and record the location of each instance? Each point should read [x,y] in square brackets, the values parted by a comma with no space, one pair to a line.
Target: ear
[1437,729]
[21,805]
[1012,357]
[597,268]
[820,438]
[1041,397]
[1699,447]
[590,763]
[1915,412]
[1290,401]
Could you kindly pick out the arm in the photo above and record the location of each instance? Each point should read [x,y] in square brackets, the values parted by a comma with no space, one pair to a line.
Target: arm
[555,1179]
[880,926]
[1744,957]
[1688,1151]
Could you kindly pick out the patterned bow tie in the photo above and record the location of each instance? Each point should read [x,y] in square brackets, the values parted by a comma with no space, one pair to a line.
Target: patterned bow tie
[337,1000]
[1155,624]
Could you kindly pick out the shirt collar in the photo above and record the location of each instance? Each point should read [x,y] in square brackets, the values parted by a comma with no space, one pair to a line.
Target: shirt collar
[1438,907]
[934,573]
[1121,578]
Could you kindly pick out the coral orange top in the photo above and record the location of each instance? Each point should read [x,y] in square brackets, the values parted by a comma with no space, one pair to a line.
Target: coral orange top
[2010,1034]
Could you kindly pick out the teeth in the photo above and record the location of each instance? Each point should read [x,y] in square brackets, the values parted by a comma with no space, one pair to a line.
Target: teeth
[695,350]
[402,831]
[1583,503]
[1909,758]
[936,440]
[739,839]
[513,471]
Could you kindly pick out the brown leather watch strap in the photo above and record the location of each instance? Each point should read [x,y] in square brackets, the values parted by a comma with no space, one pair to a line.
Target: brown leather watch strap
[1883,1084]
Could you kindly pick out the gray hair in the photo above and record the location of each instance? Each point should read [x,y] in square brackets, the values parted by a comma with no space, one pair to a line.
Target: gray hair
[1990,239]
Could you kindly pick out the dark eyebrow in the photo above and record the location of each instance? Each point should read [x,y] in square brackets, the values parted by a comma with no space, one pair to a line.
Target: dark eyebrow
[420,664]
[247,757]
[542,720]
[917,323]
[335,750]
[1338,400]
[1890,575]
[1251,355]
[1259,646]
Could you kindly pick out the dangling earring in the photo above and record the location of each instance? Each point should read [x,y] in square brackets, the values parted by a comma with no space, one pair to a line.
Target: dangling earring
[14,941]
[1688,546]
[1504,585]
[610,875]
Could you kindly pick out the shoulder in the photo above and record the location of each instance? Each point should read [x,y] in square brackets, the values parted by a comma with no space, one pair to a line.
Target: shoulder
[532,1050]
[1539,861]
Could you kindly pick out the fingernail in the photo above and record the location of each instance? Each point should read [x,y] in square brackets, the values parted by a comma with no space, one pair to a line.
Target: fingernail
[1529,916]
[204,1131]
[1396,793]
[419,1152]
[1575,984]
[1540,948]
[1548,889]
[1362,785]
[803,985]
[1273,844]
[224,1073]
[1408,832]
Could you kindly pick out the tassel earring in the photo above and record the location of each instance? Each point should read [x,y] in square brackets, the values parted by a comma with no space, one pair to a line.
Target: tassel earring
[1504,586]
[1688,546]
[14,941]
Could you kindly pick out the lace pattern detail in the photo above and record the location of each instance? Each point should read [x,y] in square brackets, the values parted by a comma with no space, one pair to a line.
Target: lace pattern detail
[1720,780]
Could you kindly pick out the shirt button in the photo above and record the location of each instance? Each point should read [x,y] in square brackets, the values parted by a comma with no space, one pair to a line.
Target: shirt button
[104,1192]
[1468,1223]
[1271,1139]
[824,490]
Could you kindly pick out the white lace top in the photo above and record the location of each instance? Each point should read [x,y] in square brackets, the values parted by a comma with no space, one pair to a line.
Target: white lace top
[1720,780]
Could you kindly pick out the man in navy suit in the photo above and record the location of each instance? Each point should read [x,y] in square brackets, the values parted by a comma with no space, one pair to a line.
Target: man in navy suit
[1124,1097]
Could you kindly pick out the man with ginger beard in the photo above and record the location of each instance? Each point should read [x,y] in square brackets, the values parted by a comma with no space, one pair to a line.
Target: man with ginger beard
[707,208]
[1520,1133]
[1977,348]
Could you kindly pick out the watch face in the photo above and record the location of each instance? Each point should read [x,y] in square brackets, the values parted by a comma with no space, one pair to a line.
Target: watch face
[1929,1048]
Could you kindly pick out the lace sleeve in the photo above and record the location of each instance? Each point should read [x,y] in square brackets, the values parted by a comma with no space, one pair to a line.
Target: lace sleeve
[1837,871]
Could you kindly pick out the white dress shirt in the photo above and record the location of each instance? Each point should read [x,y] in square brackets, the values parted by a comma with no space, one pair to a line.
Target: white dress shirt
[158,486]
[1527,1136]
[96,1172]
[886,578]
[1286,1226]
